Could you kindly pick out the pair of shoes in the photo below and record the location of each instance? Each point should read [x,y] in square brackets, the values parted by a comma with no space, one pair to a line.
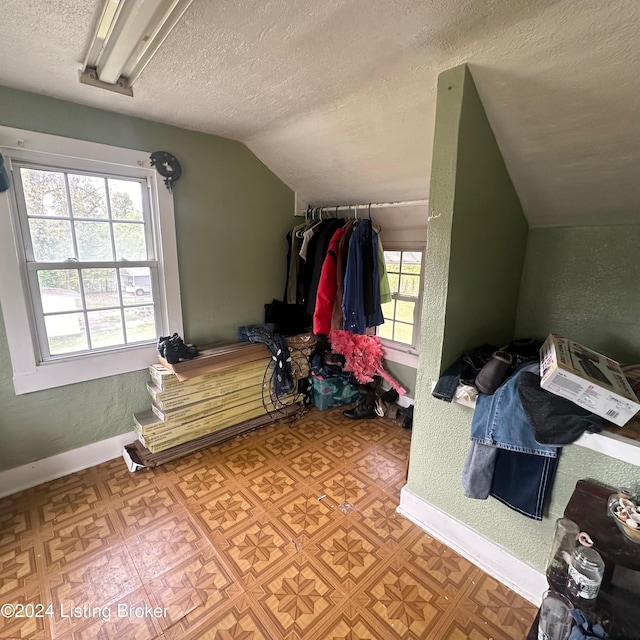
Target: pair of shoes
[493,374]
[173,349]
[365,407]
[361,412]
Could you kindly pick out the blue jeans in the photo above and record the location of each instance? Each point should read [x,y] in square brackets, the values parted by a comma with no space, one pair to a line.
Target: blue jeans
[500,421]
[522,481]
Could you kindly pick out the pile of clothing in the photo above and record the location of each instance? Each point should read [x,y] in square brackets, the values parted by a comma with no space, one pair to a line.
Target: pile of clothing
[518,428]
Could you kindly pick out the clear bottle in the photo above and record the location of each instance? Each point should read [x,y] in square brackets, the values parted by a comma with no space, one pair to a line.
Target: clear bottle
[585,571]
[564,542]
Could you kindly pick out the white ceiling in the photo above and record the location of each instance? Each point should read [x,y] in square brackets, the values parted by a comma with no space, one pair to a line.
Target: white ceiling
[337,97]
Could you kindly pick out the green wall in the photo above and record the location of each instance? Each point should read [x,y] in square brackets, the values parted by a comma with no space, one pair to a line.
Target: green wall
[476,247]
[404,374]
[232,215]
[475,250]
[582,282]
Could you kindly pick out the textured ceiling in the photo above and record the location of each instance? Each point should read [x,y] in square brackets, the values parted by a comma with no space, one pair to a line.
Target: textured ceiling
[338,97]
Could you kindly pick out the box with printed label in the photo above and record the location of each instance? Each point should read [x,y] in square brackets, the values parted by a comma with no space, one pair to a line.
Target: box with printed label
[587,378]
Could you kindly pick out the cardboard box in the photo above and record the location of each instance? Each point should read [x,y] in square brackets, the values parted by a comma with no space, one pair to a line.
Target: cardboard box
[132,458]
[587,378]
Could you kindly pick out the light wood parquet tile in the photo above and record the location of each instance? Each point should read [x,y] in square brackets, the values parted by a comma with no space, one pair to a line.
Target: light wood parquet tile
[286,533]
[402,605]
[273,486]
[297,598]
[75,538]
[17,519]
[18,567]
[28,627]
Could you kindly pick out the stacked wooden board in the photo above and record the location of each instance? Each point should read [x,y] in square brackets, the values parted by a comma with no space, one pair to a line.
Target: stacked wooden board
[210,398]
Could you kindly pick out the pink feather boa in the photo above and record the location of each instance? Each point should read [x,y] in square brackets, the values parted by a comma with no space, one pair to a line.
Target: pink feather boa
[363,355]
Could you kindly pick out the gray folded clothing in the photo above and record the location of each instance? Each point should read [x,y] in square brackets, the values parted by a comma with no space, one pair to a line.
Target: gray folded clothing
[554,420]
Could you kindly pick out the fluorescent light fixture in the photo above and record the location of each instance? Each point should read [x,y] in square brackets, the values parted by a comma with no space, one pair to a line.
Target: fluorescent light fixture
[129,33]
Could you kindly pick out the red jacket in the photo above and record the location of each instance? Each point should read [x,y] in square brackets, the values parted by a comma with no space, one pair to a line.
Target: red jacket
[327,286]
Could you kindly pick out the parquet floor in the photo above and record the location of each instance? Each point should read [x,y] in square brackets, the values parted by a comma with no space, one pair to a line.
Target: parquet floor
[286,533]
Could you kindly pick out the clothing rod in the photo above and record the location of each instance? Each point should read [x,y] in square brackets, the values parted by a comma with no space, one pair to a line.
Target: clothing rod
[373,205]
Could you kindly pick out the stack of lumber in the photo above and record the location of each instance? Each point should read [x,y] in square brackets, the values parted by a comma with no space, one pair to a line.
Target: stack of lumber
[219,393]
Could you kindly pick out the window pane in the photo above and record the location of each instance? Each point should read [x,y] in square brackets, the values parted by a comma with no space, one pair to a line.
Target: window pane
[51,240]
[59,290]
[410,285]
[105,328]
[403,333]
[100,288]
[130,241]
[386,330]
[44,193]
[388,309]
[136,285]
[141,324]
[88,196]
[65,333]
[94,241]
[404,311]
[126,199]
[394,280]
[411,261]
[392,260]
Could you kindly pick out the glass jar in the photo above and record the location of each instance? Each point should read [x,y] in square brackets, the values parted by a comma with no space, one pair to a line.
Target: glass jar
[564,542]
[585,571]
[555,617]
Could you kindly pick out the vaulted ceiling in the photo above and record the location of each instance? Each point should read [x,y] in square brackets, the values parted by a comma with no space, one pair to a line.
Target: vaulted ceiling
[337,97]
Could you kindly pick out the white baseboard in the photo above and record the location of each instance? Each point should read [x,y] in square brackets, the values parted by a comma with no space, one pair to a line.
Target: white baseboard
[405,401]
[35,473]
[490,557]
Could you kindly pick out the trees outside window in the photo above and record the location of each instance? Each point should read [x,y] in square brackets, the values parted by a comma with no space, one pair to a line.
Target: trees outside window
[88,260]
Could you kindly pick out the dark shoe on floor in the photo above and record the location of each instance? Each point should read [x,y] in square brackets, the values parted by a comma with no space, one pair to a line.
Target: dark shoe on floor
[407,417]
[360,412]
[493,373]
[390,396]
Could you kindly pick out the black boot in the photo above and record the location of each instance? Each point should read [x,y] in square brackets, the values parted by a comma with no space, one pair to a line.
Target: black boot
[173,349]
[365,407]
[185,351]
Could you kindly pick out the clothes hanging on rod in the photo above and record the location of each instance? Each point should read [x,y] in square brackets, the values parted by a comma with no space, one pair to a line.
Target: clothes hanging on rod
[294,266]
[328,284]
[342,281]
[361,302]
[315,259]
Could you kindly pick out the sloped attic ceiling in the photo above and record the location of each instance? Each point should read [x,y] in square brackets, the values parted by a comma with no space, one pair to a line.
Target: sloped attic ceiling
[338,97]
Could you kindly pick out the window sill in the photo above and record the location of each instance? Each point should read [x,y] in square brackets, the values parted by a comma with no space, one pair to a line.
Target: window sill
[606,442]
[612,445]
[83,368]
[394,353]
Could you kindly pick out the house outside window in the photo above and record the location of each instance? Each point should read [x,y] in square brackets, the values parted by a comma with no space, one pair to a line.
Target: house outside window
[90,267]
[400,332]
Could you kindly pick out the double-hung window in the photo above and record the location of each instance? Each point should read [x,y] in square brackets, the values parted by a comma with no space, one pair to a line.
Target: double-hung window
[93,270]
[401,329]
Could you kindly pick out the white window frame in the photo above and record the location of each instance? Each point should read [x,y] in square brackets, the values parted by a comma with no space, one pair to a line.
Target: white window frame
[30,372]
[399,351]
